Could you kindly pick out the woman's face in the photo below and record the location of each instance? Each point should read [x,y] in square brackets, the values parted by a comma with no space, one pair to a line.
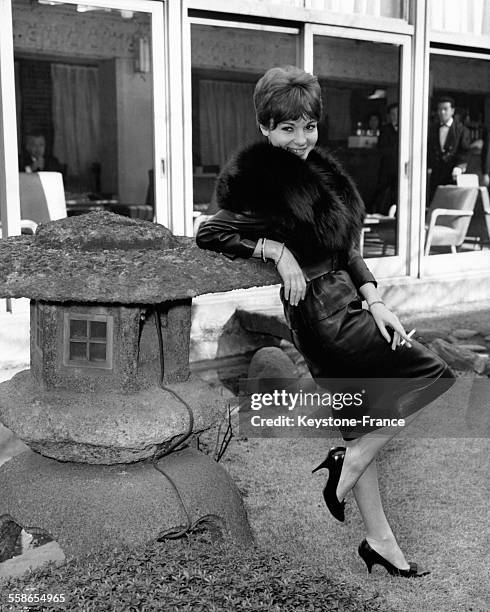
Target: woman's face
[299,136]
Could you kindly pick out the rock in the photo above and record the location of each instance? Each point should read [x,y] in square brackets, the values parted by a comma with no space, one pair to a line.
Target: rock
[292,352]
[459,358]
[272,369]
[236,340]
[31,559]
[487,338]
[264,323]
[101,230]
[9,532]
[86,507]
[104,428]
[148,266]
[10,445]
[464,334]
[272,362]
[425,335]
[476,348]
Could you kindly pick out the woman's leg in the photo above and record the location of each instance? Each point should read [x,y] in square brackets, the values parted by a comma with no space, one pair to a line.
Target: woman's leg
[360,452]
[378,531]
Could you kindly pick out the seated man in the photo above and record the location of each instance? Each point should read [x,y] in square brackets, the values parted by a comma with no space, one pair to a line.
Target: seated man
[34,157]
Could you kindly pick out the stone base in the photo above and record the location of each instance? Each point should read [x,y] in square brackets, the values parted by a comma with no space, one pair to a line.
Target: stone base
[106,428]
[84,507]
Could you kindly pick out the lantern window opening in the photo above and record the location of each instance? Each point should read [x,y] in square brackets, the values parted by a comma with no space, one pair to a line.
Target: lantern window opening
[87,340]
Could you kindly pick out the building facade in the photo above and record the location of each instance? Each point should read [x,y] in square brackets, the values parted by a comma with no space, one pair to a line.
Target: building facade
[143,100]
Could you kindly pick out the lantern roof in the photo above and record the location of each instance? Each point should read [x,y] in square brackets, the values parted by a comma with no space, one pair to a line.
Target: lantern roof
[104,257]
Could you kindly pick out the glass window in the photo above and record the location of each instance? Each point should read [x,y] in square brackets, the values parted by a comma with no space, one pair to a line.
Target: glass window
[88,340]
[360,88]
[458,156]
[85,101]
[226,64]
[300,3]
[463,16]
[375,8]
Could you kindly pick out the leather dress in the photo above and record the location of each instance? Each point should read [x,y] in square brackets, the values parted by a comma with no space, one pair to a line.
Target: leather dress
[336,336]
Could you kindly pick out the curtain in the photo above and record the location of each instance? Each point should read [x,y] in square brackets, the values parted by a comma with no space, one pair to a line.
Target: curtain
[466,16]
[378,8]
[226,119]
[75,117]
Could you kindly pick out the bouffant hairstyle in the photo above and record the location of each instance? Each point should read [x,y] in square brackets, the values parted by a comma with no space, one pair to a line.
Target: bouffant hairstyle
[287,93]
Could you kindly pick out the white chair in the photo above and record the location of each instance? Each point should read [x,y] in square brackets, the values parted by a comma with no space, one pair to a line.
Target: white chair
[472,180]
[467,180]
[42,196]
[449,216]
[485,201]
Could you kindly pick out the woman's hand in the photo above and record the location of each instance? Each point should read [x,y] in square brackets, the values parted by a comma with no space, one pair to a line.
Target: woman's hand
[292,277]
[383,318]
[289,269]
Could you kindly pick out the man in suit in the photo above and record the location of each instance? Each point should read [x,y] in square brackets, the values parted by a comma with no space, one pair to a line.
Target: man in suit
[386,191]
[448,147]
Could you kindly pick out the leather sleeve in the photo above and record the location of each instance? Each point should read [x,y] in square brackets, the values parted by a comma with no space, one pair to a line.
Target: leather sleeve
[358,270]
[232,234]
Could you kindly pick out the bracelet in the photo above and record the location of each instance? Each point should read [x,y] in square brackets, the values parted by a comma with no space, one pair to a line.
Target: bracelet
[375,302]
[263,250]
[280,255]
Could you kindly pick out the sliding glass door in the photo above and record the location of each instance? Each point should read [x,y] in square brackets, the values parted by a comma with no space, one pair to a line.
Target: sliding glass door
[366,126]
[90,101]
[228,58]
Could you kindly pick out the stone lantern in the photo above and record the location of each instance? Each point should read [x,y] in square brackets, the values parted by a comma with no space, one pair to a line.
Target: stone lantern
[109,389]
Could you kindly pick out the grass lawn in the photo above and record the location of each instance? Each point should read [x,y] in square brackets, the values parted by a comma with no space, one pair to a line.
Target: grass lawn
[436,498]
[435,491]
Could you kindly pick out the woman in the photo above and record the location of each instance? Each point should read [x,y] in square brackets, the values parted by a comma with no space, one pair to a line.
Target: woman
[286,201]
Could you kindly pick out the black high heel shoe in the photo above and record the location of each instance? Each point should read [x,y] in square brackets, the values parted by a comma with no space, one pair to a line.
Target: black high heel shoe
[333,462]
[370,557]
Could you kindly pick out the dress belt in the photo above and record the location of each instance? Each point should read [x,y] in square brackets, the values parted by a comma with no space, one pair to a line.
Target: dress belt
[317,269]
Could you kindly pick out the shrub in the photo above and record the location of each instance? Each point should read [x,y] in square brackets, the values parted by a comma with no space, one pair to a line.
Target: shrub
[191,574]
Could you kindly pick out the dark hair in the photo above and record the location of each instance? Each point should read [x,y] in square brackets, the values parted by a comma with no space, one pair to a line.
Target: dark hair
[443,99]
[35,134]
[392,105]
[287,93]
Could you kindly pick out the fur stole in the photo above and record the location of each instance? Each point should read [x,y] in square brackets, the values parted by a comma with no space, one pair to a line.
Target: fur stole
[312,204]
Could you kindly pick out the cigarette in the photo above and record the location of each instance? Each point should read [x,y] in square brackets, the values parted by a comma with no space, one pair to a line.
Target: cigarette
[410,334]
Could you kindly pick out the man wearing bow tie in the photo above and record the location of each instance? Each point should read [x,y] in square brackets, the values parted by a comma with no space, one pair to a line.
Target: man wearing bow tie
[448,147]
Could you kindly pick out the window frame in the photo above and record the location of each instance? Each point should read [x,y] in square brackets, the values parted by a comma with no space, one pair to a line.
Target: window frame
[391,265]
[109,343]
[471,262]
[167,178]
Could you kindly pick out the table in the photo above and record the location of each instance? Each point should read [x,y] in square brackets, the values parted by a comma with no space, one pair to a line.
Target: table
[376,220]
